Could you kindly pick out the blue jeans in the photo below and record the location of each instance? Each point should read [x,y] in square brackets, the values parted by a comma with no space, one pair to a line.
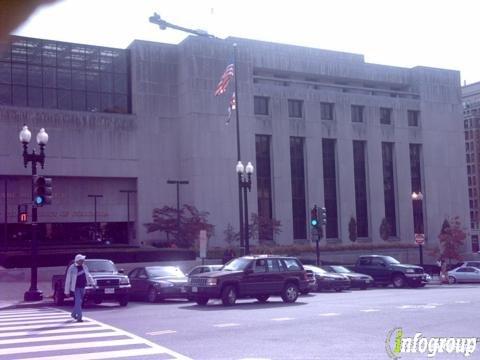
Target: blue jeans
[77,308]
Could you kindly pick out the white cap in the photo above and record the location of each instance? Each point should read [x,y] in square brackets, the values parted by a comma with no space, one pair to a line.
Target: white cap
[79,257]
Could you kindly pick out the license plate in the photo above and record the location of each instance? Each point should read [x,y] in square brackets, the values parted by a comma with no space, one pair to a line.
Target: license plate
[194,289]
[183,290]
[109,291]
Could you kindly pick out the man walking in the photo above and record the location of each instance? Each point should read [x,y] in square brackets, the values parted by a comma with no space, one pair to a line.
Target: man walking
[77,278]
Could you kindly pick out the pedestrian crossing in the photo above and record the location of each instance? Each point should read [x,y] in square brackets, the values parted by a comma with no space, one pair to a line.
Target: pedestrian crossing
[51,334]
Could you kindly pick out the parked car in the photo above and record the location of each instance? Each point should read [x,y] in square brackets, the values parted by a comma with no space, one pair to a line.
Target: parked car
[154,283]
[327,280]
[475,264]
[110,283]
[255,276]
[357,280]
[464,274]
[203,269]
[387,270]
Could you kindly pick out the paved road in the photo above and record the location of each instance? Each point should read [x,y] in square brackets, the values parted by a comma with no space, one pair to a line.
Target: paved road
[348,325]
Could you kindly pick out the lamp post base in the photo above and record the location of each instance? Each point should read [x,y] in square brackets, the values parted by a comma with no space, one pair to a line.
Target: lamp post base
[33,295]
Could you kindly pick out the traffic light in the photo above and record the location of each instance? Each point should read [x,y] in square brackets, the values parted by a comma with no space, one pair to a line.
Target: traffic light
[42,190]
[323,216]
[314,216]
[22,213]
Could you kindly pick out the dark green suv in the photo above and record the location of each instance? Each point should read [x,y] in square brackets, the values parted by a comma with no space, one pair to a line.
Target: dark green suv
[258,277]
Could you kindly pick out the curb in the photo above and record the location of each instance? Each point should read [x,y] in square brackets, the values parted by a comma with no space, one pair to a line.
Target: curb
[22,305]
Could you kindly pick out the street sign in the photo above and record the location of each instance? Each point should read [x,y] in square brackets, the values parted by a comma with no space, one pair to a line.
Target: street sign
[420,239]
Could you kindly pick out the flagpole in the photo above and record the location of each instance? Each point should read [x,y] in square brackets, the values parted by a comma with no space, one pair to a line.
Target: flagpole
[240,202]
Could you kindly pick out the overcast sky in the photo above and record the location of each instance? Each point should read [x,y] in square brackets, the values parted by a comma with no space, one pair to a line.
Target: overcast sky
[435,33]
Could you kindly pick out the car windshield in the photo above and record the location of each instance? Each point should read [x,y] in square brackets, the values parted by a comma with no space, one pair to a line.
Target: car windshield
[101,266]
[341,269]
[163,271]
[391,260]
[237,264]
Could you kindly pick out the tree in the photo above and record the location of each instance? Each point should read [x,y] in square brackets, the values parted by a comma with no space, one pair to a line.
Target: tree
[352,229]
[263,228]
[231,236]
[385,229]
[451,239]
[191,222]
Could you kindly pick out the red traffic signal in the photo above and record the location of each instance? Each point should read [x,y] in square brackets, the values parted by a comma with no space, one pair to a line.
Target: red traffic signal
[22,213]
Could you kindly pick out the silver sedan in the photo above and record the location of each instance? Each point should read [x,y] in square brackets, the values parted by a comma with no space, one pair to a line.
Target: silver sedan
[464,274]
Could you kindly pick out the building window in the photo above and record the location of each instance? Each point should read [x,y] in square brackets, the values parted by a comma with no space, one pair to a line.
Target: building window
[58,75]
[264,182]
[357,113]
[389,186]
[298,187]
[295,108]
[260,105]
[330,186]
[416,179]
[326,111]
[413,117]
[475,247]
[360,176]
[385,116]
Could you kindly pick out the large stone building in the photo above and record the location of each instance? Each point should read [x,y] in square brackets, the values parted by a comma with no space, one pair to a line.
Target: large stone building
[321,127]
[471,111]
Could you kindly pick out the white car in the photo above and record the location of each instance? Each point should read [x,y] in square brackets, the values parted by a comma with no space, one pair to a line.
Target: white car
[475,264]
[464,274]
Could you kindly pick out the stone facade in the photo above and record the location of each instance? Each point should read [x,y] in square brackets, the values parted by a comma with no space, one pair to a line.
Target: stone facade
[177,131]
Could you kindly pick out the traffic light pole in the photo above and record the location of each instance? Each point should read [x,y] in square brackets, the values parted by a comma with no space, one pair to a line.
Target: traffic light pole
[318,248]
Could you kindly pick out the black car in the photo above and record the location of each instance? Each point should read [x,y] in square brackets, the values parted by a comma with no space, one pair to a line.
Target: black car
[327,280]
[357,280]
[155,283]
[203,269]
[257,277]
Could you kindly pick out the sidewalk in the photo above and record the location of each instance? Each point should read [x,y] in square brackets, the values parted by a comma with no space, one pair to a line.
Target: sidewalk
[11,294]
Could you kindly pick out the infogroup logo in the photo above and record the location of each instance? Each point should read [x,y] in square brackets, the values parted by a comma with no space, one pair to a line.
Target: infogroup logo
[397,345]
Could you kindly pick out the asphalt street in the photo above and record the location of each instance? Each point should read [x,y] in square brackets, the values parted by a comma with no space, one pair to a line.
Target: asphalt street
[328,325]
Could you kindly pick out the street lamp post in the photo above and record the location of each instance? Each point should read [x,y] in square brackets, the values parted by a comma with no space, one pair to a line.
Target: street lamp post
[178,183]
[94,196]
[418,222]
[128,192]
[245,183]
[33,294]
[5,219]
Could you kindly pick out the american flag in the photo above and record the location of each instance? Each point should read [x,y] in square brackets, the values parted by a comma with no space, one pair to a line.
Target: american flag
[231,107]
[228,74]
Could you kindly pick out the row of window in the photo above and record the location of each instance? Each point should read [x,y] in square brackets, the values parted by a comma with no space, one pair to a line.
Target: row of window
[329,156]
[261,106]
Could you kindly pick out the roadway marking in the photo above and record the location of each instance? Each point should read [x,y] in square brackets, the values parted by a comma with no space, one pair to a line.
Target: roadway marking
[33,319]
[427,306]
[369,310]
[161,332]
[226,325]
[282,319]
[462,302]
[329,314]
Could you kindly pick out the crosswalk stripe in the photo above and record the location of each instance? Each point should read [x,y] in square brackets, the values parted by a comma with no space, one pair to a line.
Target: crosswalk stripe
[26,327]
[82,345]
[94,327]
[19,311]
[106,355]
[60,337]
[32,322]
[34,318]
[43,313]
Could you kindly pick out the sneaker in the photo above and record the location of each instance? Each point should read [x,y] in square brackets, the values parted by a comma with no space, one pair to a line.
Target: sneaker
[79,320]
[74,316]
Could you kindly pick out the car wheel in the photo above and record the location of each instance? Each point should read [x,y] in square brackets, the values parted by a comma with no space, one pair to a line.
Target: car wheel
[363,288]
[123,301]
[97,301]
[290,293]
[202,300]
[58,297]
[398,281]
[338,289]
[152,295]
[229,295]
[452,280]
[263,298]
